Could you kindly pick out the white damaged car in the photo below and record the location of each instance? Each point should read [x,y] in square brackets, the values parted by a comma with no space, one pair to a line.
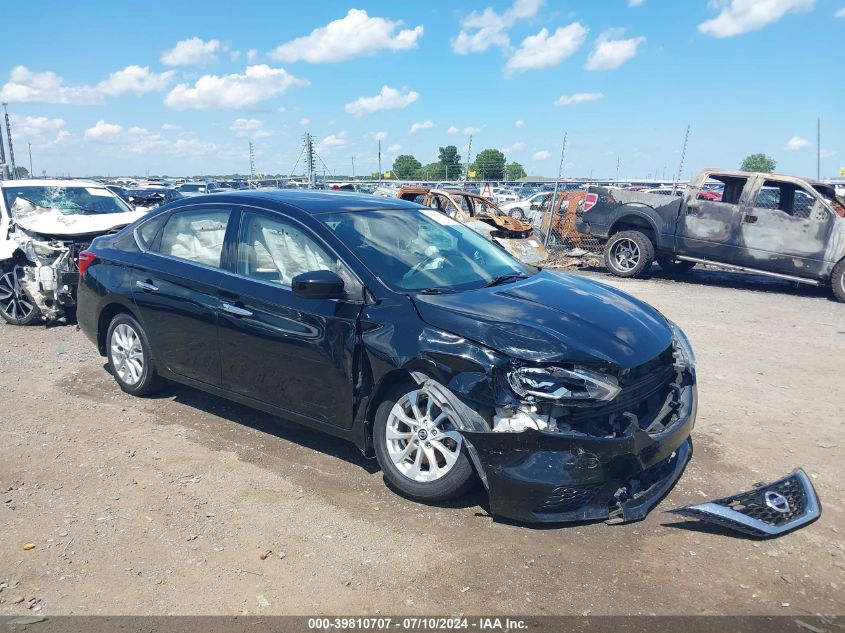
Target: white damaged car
[44,224]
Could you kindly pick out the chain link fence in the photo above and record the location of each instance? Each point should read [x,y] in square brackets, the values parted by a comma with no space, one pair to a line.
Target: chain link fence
[564,238]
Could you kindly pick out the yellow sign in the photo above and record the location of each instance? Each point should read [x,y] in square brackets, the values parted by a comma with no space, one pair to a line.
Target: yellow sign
[842,171]
[472,173]
[388,174]
[374,175]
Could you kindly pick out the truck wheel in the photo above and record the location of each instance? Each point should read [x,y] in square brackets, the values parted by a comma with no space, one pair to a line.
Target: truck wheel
[628,254]
[671,265]
[16,306]
[837,281]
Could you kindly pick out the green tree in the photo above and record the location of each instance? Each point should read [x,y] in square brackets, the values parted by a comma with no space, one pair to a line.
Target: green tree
[490,165]
[449,158]
[758,162]
[433,171]
[21,172]
[515,171]
[405,167]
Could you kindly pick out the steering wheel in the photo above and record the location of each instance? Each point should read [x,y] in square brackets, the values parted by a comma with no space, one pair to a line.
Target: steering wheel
[418,267]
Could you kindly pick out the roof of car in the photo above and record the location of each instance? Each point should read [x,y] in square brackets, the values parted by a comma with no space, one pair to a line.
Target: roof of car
[310,201]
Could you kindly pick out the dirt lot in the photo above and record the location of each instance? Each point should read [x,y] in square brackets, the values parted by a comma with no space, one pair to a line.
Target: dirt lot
[167,505]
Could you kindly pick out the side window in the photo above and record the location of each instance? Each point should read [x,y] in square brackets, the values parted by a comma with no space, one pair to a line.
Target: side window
[274,250]
[790,198]
[195,236]
[732,187]
[147,232]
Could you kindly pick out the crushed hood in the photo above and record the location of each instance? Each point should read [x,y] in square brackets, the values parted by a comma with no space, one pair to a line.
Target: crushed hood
[45,221]
[553,317]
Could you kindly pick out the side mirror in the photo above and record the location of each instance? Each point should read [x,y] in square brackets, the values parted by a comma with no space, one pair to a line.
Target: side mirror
[318,284]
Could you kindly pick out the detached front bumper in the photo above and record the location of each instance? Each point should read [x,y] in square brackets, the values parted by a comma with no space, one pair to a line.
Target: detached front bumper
[538,476]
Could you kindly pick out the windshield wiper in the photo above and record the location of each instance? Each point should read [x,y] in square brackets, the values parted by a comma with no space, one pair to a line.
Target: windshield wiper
[436,291]
[501,279]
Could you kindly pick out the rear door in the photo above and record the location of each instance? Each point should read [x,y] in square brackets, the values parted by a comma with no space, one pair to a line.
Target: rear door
[710,229]
[175,285]
[785,229]
[293,353]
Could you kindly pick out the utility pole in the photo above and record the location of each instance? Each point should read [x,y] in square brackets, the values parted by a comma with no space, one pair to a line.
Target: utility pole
[309,161]
[31,172]
[353,168]
[469,155]
[553,206]
[251,161]
[617,168]
[9,137]
[677,176]
[819,148]
[379,161]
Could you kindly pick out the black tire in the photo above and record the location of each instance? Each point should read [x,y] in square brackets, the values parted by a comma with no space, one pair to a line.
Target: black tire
[674,266]
[517,213]
[17,306]
[148,380]
[628,254]
[837,281]
[458,481]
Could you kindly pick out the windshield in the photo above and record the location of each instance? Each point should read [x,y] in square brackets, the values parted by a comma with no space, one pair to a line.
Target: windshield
[66,200]
[422,250]
[189,188]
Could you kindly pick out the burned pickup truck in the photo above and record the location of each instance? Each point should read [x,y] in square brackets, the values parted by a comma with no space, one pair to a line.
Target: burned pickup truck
[768,224]
[44,225]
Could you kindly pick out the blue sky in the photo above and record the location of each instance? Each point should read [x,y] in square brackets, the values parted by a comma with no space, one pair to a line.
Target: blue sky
[182,87]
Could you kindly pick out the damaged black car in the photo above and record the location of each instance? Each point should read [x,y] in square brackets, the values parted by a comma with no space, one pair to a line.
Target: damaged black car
[395,327]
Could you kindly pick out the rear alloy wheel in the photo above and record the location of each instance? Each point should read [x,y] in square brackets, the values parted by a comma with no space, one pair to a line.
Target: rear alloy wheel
[628,254]
[419,447]
[16,306]
[675,266]
[130,360]
[837,281]
[517,213]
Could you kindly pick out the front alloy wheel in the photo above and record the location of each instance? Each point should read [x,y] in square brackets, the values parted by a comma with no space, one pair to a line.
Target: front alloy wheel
[16,306]
[419,447]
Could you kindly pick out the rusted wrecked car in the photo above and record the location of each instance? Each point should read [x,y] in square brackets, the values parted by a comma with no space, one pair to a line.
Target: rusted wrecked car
[483,216]
[768,224]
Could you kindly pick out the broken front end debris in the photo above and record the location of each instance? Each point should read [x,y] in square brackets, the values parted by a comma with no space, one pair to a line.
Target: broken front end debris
[766,511]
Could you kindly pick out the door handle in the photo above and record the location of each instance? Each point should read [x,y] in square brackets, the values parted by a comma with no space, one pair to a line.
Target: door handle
[692,211]
[146,286]
[751,219]
[235,310]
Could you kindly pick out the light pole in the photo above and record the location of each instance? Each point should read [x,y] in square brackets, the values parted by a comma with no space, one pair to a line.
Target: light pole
[31,173]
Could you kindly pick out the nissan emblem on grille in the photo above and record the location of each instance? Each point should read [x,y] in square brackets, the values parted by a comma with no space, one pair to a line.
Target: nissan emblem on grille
[777,501]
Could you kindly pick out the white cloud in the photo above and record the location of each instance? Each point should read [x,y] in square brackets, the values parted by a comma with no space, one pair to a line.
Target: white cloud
[26,86]
[611,53]
[516,147]
[394,149]
[375,136]
[426,125]
[304,120]
[543,154]
[519,122]
[354,35]
[136,80]
[40,130]
[251,55]
[191,52]
[136,140]
[388,99]
[235,56]
[840,13]
[170,127]
[827,153]
[796,143]
[252,128]
[332,141]
[580,97]
[742,16]
[102,131]
[471,130]
[544,50]
[480,31]
[636,3]
[453,130]
[229,92]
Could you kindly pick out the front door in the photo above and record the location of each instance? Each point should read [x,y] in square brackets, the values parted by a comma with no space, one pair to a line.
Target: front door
[175,284]
[297,354]
[785,229]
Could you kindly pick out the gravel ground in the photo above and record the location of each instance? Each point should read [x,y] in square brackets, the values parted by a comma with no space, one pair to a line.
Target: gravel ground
[187,504]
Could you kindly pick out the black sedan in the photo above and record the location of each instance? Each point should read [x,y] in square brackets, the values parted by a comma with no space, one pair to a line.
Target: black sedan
[393,326]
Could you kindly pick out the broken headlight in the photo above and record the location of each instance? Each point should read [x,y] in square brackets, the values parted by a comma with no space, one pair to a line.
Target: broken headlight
[683,350]
[557,383]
